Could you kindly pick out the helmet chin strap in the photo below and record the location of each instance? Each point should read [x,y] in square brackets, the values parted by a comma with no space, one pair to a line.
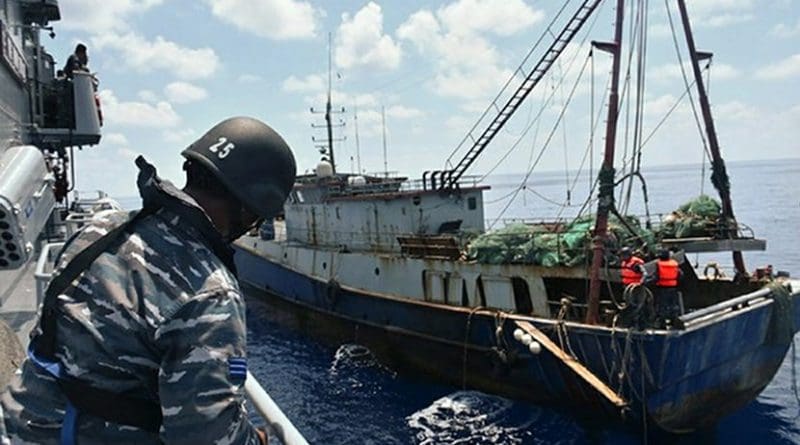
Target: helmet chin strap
[237,227]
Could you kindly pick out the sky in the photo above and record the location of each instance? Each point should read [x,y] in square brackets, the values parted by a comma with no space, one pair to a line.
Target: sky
[170,70]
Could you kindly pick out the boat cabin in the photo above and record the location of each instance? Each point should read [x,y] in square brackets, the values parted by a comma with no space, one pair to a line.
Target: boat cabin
[372,213]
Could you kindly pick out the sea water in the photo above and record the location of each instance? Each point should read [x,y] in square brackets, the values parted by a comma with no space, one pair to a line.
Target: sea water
[342,395]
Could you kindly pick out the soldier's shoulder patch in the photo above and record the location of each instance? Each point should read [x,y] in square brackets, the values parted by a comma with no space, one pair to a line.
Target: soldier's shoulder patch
[237,369]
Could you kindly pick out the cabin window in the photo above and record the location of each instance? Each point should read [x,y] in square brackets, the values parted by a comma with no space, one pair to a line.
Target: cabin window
[522,296]
[472,203]
[416,200]
[464,295]
[337,213]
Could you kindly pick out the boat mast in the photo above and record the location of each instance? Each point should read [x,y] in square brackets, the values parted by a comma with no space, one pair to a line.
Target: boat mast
[605,201]
[719,176]
[328,111]
[385,159]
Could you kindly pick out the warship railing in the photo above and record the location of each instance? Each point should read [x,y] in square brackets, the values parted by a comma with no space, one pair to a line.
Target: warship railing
[44,268]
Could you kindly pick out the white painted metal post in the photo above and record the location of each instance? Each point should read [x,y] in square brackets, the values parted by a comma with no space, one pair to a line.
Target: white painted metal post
[269,410]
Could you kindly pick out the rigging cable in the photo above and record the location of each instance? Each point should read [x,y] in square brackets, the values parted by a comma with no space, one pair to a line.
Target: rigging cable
[546,144]
[541,111]
[686,80]
[703,158]
[564,132]
[448,163]
[636,154]
[632,29]
[591,127]
[668,113]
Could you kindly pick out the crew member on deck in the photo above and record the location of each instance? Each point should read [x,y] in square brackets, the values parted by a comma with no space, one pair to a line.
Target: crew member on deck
[141,338]
[631,267]
[77,61]
[666,279]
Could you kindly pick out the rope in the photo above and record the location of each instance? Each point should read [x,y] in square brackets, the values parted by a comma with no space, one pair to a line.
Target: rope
[794,376]
[466,340]
[561,328]
[643,402]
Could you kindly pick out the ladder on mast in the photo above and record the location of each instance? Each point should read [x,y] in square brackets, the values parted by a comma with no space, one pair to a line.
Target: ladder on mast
[451,177]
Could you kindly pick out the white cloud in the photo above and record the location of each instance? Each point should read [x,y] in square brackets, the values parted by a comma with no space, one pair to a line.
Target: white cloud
[184,92]
[360,41]
[720,13]
[468,66]
[403,112]
[310,83]
[786,31]
[146,56]
[115,139]
[272,19]
[502,18]
[249,78]
[148,96]
[137,114]
[341,98]
[784,69]
[127,153]
[672,71]
[101,15]
[180,136]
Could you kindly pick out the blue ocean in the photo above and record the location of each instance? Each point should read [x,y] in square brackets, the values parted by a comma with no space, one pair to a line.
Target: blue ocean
[339,394]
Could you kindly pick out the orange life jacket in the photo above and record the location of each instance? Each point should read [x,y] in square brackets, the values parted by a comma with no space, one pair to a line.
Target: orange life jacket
[631,270]
[667,273]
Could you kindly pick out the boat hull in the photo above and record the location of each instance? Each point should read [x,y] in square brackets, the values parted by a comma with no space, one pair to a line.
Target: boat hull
[686,380]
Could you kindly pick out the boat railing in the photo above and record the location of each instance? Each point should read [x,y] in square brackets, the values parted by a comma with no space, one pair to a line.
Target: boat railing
[393,185]
[727,306]
[717,230]
[560,242]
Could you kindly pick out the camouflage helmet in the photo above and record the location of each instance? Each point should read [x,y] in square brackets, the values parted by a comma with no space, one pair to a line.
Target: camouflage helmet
[253,162]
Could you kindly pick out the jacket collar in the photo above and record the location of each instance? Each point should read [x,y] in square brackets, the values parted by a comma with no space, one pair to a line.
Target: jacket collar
[159,194]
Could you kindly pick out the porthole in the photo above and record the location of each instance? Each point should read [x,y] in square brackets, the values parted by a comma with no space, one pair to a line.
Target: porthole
[377,271]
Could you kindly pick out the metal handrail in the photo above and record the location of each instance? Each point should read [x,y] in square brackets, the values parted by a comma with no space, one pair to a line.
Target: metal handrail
[43,273]
[269,410]
[725,305]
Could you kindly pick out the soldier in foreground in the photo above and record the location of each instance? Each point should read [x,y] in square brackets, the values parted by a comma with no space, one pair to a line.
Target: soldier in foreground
[146,344]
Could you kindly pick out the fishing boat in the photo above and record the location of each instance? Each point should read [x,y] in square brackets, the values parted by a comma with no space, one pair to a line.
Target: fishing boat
[390,263]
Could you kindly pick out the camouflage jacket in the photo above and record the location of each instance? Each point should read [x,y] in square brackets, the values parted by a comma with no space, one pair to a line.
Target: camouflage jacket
[158,315]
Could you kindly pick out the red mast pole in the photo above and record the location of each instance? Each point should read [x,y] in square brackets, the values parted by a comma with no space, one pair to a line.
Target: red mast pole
[606,175]
[719,177]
